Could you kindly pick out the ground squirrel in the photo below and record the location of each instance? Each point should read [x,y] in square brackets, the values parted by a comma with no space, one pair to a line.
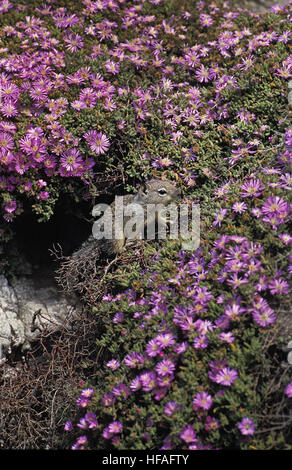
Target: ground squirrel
[88,265]
[154,194]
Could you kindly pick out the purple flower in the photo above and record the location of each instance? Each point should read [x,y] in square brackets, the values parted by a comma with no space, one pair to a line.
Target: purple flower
[252,188]
[160,393]
[206,20]
[264,317]
[261,284]
[219,216]
[201,342]
[97,141]
[82,402]
[148,381]
[44,195]
[106,434]
[108,399]
[246,426]
[134,360]
[256,211]
[79,444]
[153,348]
[181,347]
[82,424]
[165,367]
[188,434]
[91,420]
[204,326]
[74,42]
[118,317]
[211,424]
[8,108]
[113,364]
[121,390]
[288,390]
[202,74]
[167,445]
[278,286]
[286,238]
[10,206]
[115,427]
[228,337]
[135,384]
[6,141]
[68,426]
[170,408]
[203,295]
[112,67]
[224,376]
[87,392]
[235,281]
[203,400]
[71,159]
[165,339]
[275,205]
[239,207]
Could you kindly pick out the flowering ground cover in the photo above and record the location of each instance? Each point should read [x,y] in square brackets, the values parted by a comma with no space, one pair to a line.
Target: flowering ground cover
[195,92]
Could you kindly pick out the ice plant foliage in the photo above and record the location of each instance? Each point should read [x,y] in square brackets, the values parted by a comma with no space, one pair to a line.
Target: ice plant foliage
[193,91]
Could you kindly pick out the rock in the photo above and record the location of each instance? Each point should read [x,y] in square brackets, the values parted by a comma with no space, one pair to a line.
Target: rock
[290,97]
[290,85]
[11,329]
[27,309]
[261,6]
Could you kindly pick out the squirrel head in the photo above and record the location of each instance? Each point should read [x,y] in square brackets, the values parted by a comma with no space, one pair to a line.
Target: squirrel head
[157,192]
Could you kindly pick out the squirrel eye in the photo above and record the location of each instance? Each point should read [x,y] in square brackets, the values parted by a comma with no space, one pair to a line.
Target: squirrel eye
[162,191]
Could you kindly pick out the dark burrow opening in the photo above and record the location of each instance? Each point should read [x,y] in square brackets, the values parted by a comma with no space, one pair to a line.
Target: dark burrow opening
[34,242]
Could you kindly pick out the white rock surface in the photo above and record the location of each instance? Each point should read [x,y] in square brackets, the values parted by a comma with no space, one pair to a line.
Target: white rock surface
[26,309]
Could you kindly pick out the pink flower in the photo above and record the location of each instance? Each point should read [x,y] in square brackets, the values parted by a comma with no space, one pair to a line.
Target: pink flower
[219,216]
[10,206]
[153,348]
[165,367]
[225,376]
[206,20]
[252,188]
[115,427]
[246,426]
[278,286]
[71,159]
[113,364]
[228,337]
[203,400]
[74,42]
[44,195]
[286,238]
[97,141]
[68,426]
[188,434]
[264,317]
[165,339]
[288,390]
[239,207]
[170,408]
[112,67]
[202,74]
[87,392]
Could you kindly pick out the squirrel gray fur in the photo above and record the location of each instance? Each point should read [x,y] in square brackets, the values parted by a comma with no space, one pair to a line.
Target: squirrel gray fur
[155,191]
